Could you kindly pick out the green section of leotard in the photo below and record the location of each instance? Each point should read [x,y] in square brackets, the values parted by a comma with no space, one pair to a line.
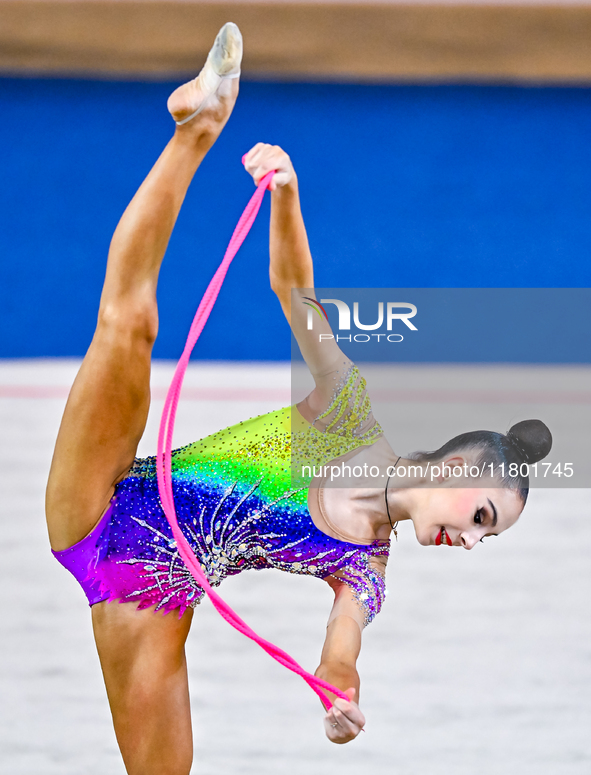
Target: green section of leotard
[270,450]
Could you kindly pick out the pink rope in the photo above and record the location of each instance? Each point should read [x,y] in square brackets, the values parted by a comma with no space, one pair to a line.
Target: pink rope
[164,455]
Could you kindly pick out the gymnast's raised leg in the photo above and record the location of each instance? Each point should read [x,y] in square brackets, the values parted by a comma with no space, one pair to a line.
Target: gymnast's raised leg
[141,653]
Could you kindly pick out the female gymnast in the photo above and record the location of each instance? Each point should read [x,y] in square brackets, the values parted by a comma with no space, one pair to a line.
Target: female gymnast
[236,500]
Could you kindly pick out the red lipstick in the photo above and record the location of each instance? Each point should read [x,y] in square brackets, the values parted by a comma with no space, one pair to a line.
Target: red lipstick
[441,535]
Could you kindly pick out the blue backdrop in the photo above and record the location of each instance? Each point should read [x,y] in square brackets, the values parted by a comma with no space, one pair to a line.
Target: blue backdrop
[402,186]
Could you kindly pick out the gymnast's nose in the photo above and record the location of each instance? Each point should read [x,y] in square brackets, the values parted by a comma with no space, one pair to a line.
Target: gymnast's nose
[468,540]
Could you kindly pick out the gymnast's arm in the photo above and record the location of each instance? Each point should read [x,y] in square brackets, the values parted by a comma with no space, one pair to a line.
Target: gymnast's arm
[338,665]
[291,271]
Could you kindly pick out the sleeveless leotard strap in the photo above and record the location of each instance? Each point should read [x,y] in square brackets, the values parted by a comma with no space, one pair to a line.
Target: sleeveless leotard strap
[164,460]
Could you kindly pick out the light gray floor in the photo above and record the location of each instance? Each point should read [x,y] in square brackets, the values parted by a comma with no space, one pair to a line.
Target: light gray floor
[480,661]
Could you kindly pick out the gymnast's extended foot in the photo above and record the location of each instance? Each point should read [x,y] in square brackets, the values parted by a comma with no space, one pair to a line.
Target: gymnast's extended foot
[206,102]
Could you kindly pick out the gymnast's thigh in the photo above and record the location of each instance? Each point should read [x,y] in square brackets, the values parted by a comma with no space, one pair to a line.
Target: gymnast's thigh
[142,655]
[102,424]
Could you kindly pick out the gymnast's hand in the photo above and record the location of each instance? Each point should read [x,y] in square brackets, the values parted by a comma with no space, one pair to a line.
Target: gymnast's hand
[344,721]
[263,158]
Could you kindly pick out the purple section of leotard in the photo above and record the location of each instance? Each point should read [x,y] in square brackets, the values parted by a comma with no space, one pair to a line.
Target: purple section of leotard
[82,558]
[131,555]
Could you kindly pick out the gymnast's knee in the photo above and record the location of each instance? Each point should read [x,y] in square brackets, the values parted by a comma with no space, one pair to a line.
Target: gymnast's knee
[135,321]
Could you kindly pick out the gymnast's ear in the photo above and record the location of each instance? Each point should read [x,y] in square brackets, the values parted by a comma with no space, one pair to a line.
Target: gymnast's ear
[447,466]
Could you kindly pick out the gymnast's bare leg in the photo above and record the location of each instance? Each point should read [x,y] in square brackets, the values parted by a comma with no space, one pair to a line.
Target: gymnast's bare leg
[141,652]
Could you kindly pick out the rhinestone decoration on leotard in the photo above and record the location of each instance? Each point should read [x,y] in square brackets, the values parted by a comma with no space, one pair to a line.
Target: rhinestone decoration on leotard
[347,424]
[239,509]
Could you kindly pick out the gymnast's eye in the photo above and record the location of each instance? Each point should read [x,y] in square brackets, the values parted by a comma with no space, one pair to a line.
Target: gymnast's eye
[479,517]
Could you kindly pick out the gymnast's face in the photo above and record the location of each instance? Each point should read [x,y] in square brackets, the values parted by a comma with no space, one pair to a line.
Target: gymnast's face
[451,514]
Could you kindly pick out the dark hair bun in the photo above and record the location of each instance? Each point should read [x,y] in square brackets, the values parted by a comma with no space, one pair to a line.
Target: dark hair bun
[532,438]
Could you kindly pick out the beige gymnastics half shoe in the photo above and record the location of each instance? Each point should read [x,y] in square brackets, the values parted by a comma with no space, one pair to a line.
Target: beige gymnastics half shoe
[223,62]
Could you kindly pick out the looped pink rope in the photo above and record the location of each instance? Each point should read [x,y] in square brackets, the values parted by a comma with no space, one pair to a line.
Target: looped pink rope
[164,456]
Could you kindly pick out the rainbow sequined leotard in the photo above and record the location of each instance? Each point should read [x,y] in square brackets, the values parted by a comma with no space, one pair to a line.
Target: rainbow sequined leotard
[240,507]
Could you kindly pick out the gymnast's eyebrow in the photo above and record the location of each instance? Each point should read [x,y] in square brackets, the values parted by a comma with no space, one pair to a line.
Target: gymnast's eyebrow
[495,515]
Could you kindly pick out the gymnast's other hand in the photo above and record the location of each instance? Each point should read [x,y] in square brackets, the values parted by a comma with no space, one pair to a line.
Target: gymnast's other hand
[344,721]
[263,158]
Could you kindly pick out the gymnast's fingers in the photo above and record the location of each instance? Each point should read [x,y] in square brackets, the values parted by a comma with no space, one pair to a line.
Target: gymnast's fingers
[280,179]
[345,723]
[338,728]
[250,155]
[279,160]
[263,158]
[350,711]
[250,159]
